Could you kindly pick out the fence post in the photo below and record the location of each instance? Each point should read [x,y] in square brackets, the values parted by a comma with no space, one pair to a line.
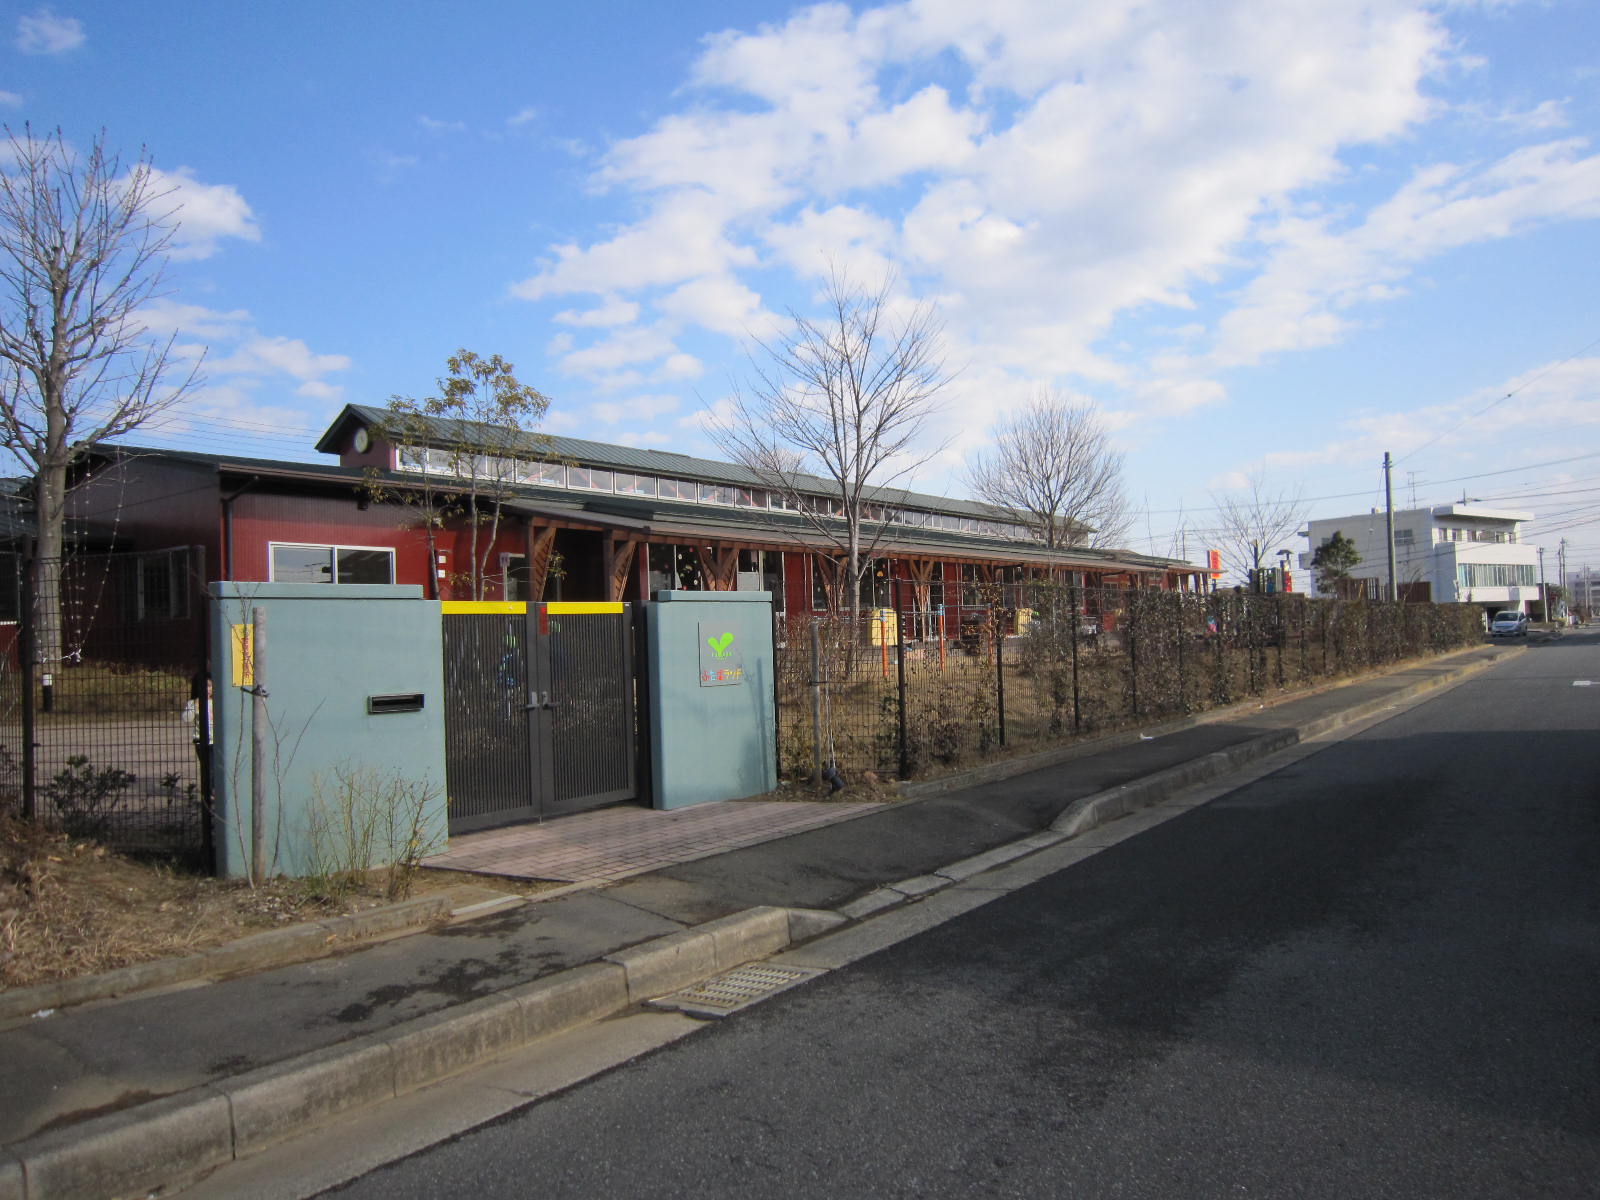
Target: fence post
[258,746]
[1182,623]
[900,670]
[1133,650]
[1072,639]
[999,670]
[816,702]
[30,802]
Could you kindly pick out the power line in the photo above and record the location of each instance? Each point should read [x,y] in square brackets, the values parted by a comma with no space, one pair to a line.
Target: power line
[1474,416]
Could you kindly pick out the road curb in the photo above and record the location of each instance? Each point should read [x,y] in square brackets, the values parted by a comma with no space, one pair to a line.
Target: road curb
[257,952]
[179,1138]
[1093,811]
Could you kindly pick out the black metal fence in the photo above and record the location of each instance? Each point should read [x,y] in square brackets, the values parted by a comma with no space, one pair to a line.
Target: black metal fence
[904,693]
[104,721]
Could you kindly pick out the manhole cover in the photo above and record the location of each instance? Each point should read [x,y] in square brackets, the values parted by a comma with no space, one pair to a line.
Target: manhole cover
[733,990]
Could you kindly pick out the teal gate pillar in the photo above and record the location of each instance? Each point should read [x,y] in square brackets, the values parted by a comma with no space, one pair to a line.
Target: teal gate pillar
[354,687]
[713,724]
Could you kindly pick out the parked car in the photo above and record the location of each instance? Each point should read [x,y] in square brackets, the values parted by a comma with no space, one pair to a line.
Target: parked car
[1509,624]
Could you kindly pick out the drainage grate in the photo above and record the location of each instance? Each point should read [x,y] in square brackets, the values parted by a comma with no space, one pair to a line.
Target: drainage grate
[733,990]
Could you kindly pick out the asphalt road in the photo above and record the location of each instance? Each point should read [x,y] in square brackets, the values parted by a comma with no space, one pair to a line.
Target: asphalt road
[1374,973]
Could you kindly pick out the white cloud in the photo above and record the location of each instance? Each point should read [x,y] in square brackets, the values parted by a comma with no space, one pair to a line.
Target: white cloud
[1053,174]
[280,355]
[610,311]
[642,440]
[432,125]
[680,366]
[1317,274]
[643,407]
[722,304]
[10,100]
[248,379]
[621,348]
[165,316]
[43,32]
[202,214]
[523,116]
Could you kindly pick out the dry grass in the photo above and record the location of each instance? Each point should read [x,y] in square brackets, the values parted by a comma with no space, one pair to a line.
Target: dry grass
[69,908]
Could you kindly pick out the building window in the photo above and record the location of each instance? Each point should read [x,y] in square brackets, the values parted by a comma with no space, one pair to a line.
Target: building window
[160,593]
[588,479]
[1476,575]
[635,485]
[678,489]
[715,493]
[331,564]
[1405,537]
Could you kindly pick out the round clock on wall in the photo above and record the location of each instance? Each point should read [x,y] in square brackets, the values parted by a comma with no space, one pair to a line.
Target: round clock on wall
[363,440]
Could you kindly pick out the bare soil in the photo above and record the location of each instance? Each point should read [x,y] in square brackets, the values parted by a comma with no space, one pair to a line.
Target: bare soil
[70,908]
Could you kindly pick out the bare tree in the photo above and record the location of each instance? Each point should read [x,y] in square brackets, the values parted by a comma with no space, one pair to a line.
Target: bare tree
[469,445]
[835,415]
[83,246]
[1251,528]
[1053,462]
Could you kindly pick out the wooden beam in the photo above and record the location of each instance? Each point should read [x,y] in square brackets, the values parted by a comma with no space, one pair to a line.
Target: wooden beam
[541,550]
[722,568]
[621,567]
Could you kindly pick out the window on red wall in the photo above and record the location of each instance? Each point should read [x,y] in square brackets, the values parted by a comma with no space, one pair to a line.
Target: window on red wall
[293,563]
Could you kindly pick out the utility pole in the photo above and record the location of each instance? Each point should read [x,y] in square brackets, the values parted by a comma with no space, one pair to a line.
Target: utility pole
[1388,508]
[1561,568]
[1544,596]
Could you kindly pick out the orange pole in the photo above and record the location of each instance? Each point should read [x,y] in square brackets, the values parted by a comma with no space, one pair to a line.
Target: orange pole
[883,637]
[941,639]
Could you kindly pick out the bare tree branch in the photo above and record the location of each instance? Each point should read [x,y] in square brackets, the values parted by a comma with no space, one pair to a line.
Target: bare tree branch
[1053,463]
[1252,528]
[83,247]
[843,399]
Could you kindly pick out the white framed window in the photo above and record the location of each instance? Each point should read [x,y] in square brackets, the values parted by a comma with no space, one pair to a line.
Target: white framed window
[635,485]
[296,562]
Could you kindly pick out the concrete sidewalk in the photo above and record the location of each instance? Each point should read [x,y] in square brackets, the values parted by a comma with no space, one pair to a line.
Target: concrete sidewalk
[120,1096]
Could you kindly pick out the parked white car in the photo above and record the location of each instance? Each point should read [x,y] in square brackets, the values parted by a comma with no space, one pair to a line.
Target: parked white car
[1509,624]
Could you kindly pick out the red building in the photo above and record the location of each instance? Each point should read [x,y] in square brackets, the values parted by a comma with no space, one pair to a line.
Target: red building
[557,518]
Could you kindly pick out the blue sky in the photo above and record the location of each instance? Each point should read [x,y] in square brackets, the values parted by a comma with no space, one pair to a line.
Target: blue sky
[1264,239]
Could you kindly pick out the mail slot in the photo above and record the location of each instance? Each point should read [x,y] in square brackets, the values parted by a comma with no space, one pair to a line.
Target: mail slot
[407,702]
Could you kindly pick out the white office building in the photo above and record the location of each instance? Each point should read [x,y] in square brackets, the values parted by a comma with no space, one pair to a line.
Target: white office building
[1451,553]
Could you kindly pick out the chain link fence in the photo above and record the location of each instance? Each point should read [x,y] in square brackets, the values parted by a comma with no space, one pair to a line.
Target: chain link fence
[104,725]
[906,693]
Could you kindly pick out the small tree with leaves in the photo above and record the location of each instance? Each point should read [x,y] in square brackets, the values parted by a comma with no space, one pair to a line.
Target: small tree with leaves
[1333,562]
[83,247]
[466,444]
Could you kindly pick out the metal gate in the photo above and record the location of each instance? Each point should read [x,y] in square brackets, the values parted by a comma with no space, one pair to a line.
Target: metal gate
[539,710]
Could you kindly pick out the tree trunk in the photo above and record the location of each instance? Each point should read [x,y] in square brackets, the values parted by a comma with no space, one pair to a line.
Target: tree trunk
[50,512]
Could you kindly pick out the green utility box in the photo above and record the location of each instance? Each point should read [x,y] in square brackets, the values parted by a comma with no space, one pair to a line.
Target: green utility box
[354,742]
[713,722]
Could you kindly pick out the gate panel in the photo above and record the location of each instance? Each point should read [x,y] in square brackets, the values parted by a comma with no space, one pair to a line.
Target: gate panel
[539,710]
[592,705]
[489,764]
